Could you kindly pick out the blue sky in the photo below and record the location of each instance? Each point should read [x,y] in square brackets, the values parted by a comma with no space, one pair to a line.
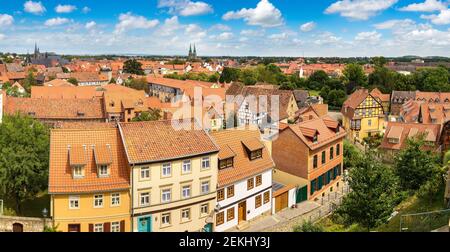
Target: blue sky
[228,27]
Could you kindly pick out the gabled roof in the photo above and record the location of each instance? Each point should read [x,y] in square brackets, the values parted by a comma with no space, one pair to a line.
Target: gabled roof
[85,141]
[403,131]
[243,167]
[308,129]
[157,141]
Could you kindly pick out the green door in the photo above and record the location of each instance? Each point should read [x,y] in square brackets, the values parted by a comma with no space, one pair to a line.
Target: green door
[302,194]
[207,227]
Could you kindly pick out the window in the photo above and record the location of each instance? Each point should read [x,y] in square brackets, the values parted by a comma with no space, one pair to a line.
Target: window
[78,171]
[230,214]
[103,171]
[186,166]
[250,184]
[205,187]
[258,201]
[258,180]
[315,161]
[323,157]
[256,154]
[144,198]
[186,191]
[266,197]
[226,163]
[220,218]
[166,195]
[205,163]
[145,173]
[331,153]
[165,219]
[338,149]
[98,200]
[369,122]
[115,199]
[166,170]
[74,202]
[204,209]
[230,191]
[220,195]
[98,227]
[185,214]
[115,226]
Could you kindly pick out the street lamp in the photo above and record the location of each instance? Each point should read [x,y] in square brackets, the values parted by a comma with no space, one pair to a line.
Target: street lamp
[44,213]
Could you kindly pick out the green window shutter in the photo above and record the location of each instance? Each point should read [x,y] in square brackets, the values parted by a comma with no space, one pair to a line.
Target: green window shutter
[313,186]
[328,176]
[320,182]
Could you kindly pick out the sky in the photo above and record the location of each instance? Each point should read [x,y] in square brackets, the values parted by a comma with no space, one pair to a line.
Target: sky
[328,28]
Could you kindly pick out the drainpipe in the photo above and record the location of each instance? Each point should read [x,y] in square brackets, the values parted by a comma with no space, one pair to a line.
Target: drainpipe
[132,198]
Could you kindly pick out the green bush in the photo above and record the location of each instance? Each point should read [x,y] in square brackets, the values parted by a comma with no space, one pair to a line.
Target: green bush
[309,227]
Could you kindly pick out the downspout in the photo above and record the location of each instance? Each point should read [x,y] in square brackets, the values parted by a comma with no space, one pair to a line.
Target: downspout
[132,198]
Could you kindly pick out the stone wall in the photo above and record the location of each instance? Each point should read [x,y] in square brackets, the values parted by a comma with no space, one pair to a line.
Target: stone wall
[28,224]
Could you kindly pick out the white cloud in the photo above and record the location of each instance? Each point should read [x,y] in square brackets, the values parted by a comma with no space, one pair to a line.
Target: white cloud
[6,20]
[85,9]
[128,21]
[170,26]
[2,36]
[56,21]
[252,33]
[265,14]
[90,25]
[186,7]
[65,8]
[327,38]
[279,36]
[195,32]
[306,27]
[359,9]
[34,7]
[427,6]
[372,37]
[221,27]
[394,23]
[443,18]
[225,36]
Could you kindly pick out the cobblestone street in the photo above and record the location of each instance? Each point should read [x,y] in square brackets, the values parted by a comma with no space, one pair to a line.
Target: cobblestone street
[287,219]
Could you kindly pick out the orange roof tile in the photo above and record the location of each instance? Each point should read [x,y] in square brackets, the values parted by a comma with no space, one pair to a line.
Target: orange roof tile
[243,167]
[103,155]
[431,131]
[253,144]
[77,155]
[157,141]
[60,172]
[226,152]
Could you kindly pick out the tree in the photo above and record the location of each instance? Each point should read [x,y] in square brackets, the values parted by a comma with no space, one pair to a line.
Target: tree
[319,77]
[73,81]
[379,61]
[309,227]
[413,165]
[229,74]
[133,66]
[28,82]
[373,196]
[351,155]
[24,158]
[151,115]
[248,77]
[354,76]
[139,84]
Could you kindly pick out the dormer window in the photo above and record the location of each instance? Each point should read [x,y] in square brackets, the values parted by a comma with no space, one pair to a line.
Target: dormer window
[226,163]
[393,140]
[78,171]
[256,154]
[103,171]
[80,114]
[111,104]
[31,113]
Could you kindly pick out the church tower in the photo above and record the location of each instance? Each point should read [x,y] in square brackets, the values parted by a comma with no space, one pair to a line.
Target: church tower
[190,51]
[195,53]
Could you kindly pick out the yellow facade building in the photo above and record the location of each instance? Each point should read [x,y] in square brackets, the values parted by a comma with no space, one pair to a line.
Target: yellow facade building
[89,181]
[174,175]
[363,115]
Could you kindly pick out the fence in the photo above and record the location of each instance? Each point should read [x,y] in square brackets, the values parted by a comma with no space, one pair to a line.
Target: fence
[424,222]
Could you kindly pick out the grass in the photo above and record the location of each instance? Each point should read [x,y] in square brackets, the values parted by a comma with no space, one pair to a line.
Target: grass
[412,204]
[30,208]
[314,92]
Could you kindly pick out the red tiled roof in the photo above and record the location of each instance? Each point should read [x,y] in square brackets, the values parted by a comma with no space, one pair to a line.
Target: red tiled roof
[60,172]
[156,141]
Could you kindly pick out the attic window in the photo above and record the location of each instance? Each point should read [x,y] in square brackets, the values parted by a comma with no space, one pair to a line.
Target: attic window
[80,113]
[226,163]
[111,104]
[256,154]
[31,113]
[103,171]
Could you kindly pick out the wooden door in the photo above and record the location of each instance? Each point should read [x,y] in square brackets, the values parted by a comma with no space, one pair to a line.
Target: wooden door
[17,227]
[74,228]
[242,211]
[281,202]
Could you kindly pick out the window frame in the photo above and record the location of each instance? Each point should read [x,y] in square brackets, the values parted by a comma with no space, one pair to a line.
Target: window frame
[250,184]
[96,226]
[146,170]
[230,214]
[266,197]
[74,198]
[164,167]
[201,187]
[230,191]
[147,196]
[113,196]
[102,199]
[164,194]
[220,195]
[188,163]
[258,201]
[220,218]
[258,180]
[206,160]
[115,224]
[163,216]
